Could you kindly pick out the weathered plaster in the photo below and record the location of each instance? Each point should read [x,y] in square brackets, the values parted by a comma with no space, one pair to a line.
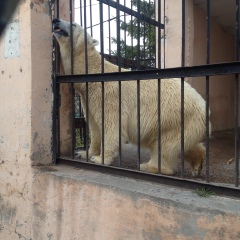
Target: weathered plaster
[65,203]
[26,100]
[98,206]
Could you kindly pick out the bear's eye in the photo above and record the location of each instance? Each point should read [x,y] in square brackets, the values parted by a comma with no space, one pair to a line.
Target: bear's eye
[73,24]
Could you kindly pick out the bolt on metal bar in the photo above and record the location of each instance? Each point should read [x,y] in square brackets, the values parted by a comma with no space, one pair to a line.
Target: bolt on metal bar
[182,89]
[207,91]
[119,85]
[102,71]
[236,100]
[87,87]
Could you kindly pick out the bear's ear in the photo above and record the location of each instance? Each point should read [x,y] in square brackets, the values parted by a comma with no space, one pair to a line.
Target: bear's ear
[95,42]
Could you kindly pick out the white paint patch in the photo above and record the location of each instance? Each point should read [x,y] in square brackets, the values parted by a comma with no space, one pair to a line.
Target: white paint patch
[11,41]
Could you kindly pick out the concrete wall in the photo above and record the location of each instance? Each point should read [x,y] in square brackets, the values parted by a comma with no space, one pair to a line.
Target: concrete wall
[60,203]
[25,117]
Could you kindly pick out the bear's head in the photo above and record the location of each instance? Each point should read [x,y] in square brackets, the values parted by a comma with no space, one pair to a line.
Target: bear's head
[62,32]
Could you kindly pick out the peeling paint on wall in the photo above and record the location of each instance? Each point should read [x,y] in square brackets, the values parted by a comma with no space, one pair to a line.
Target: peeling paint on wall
[11,41]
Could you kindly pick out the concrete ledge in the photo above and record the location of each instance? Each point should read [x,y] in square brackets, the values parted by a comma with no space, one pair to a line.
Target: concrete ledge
[76,204]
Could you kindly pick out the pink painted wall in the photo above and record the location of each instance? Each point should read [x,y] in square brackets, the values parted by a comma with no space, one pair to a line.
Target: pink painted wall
[59,203]
[25,116]
[222,50]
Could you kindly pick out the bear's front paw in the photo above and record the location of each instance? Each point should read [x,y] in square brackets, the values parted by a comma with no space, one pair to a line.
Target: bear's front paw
[98,160]
[146,167]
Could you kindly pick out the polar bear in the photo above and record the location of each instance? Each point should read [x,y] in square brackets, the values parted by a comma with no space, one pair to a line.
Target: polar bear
[170,105]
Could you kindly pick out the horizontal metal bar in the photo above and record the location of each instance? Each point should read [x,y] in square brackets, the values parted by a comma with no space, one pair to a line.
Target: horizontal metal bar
[131,12]
[161,179]
[179,72]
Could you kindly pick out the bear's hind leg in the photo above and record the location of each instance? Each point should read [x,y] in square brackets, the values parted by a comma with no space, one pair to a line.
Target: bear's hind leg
[152,165]
[195,157]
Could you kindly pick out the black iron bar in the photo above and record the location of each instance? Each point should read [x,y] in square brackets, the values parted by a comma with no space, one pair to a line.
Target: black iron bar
[87,87]
[138,89]
[218,189]
[58,100]
[179,72]
[164,35]
[55,94]
[90,10]
[132,33]
[119,84]
[207,92]
[81,19]
[149,33]
[236,100]
[159,89]
[182,89]
[125,33]
[144,38]
[102,71]
[72,124]
[109,29]
[130,12]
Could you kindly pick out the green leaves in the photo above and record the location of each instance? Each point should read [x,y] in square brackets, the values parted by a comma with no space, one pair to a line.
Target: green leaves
[146,37]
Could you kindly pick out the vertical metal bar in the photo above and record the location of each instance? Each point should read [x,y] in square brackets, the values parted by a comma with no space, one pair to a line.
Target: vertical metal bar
[81,19]
[144,38]
[102,71]
[138,85]
[58,89]
[71,33]
[132,34]
[90,9]
[125,32]
[55,104]
[72,86]
[149,34]
[182,89]
[159,87]
[236,100]
[207,92]
[119,85]
[87,87]
[164,35]
[109,29]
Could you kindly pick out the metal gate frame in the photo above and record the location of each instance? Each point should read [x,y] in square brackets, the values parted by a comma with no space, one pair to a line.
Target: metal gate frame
[179,72]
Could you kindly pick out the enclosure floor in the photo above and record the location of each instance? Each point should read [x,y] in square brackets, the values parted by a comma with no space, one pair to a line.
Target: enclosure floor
[221,150]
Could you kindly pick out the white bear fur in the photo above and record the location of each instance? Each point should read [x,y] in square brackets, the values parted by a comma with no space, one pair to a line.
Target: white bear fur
[194,106]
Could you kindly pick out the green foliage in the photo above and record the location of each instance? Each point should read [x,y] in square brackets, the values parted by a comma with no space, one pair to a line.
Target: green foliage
[204,192]
[147,33]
